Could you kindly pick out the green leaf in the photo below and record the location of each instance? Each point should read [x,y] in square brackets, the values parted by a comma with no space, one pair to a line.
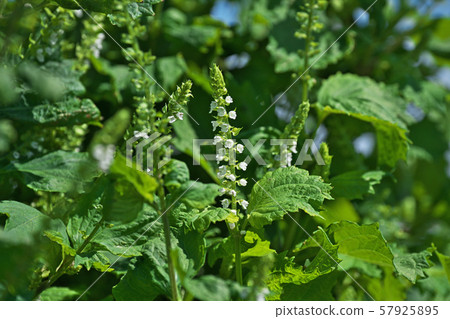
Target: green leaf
[103,6]
[200,221]
[129,239]
[64,113]
[366,100]
[259,247]
[211,288]
[412,266]
[445,261]
[326,253]
[319,288]
[59,294]
[177,173]
[286,190]
[147,277]
[183,141]
[144,184]
[60,171]
[360,244]
[195,194]
[355,184]
[24,221]
[142,8]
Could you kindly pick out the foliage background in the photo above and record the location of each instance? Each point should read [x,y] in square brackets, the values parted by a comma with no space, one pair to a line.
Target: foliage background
[61,77]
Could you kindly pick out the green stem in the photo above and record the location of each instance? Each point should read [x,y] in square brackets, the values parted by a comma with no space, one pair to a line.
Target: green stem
[307,46]
[166,222]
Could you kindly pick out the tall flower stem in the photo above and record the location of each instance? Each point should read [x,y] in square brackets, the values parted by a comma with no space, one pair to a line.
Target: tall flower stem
[306,52]
[166,223]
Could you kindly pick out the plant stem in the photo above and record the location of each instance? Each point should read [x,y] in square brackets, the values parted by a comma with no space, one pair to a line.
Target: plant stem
[166,222]
[307,46]
[237,259]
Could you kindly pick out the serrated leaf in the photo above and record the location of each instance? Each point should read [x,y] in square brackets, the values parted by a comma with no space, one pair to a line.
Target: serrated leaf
[412,266]
[59,294]
[211,288]
[129,239]
[366,100]
[24,221]
[355,184]
[286,190]
[364,243]
[259,247]
[195,194]
[200,221]
[64,113]
[147,277]
[60,171]
[177,173]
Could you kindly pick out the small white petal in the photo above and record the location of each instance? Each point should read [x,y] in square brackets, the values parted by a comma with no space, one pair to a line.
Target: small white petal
[229,99]
[232,192]
[217,139]
[229,143]
[242,166]
[172,119]
[240,148]
[232,225]
[215,124]
[242,182]
[232,115]
[180,115]
[244,204]
[225,203]
[221,111]
[224,128]
[231,177]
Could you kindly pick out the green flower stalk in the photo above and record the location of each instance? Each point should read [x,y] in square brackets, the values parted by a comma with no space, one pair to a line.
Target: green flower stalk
[309,21]
[226,156]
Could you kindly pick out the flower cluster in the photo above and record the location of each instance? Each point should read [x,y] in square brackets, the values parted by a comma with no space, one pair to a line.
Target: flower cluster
[226,146]
[291,133]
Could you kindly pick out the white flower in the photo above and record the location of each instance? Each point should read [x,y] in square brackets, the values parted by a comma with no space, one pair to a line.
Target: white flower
[213,106]
[232,225]
[219,158]
[229,143]
[242,166]
[225,203]
[180,115]
[293,148]
[289,159]
[232,115]
[215,124]
[104,154]
[217,139]
[172,119]
[232,192]
[222,191]
[231,177]
[78,13]
[221,111]
[229,99]
[240,148]
[244,204]
[222,171]
[242,182]
[138,134]
[233,211]
[224,127]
